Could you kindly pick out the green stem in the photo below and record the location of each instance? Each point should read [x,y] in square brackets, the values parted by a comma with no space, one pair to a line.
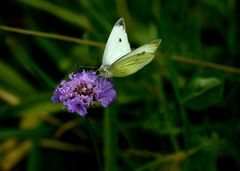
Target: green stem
[206,64]
[110,140]
[52,36]
[94,142]
[163,108]
[186,129]
[182,59]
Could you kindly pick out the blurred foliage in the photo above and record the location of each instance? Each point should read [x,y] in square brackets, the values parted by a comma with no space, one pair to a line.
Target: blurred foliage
[178,113]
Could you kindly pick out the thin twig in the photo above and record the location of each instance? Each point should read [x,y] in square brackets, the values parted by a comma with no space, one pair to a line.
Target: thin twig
[101,45]
[206,64]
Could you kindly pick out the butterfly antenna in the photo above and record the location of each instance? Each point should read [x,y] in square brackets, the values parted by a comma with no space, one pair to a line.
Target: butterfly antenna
[85,66]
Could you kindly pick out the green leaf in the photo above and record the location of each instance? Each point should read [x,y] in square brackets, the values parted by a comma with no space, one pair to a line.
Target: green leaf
[203,91]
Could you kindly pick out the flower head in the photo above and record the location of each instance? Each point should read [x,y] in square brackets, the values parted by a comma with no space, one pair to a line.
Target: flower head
[82,90]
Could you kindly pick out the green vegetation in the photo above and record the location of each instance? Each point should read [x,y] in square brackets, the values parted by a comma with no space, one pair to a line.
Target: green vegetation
[180,112]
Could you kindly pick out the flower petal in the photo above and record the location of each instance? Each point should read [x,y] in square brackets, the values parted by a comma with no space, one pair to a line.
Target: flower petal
[76,105]
[107,97]
[56,96]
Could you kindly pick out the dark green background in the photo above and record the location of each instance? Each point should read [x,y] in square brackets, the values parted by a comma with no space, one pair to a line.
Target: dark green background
[178,113]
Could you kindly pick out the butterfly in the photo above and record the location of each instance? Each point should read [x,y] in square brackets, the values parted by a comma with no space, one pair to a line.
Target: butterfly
[118,58]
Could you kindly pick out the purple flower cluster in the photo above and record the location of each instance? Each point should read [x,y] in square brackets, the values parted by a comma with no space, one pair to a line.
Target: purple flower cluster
[82,90]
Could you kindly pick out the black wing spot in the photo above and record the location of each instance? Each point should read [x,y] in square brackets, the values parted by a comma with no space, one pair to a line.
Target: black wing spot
[120,40]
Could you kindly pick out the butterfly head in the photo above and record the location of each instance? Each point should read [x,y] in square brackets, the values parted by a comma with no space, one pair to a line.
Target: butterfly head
[104,71]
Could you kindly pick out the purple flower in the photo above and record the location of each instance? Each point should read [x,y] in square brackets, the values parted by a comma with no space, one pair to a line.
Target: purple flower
[82,90]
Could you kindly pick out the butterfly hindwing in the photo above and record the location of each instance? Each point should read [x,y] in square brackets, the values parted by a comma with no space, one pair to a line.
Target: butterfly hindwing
[135,60]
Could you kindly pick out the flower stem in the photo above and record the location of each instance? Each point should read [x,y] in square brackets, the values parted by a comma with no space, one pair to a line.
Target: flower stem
[186,127]
[110,139]
[94,142]
[164,110]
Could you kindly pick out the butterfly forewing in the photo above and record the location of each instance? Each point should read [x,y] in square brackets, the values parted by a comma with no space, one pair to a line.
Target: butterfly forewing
[117,45]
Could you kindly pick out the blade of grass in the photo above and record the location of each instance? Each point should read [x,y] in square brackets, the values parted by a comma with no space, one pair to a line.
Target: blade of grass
[21,133]
[37,104]
[60,12]
[9,97]
[57,54]
[20,53]
[96,13]
[13,80]
[48,46]
[15,155]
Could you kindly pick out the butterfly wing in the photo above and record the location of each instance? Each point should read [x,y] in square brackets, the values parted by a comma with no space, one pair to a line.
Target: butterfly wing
[135,60]
[117,45]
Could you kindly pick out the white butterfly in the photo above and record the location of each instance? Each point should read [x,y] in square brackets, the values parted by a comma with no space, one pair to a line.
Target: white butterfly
[118,59]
